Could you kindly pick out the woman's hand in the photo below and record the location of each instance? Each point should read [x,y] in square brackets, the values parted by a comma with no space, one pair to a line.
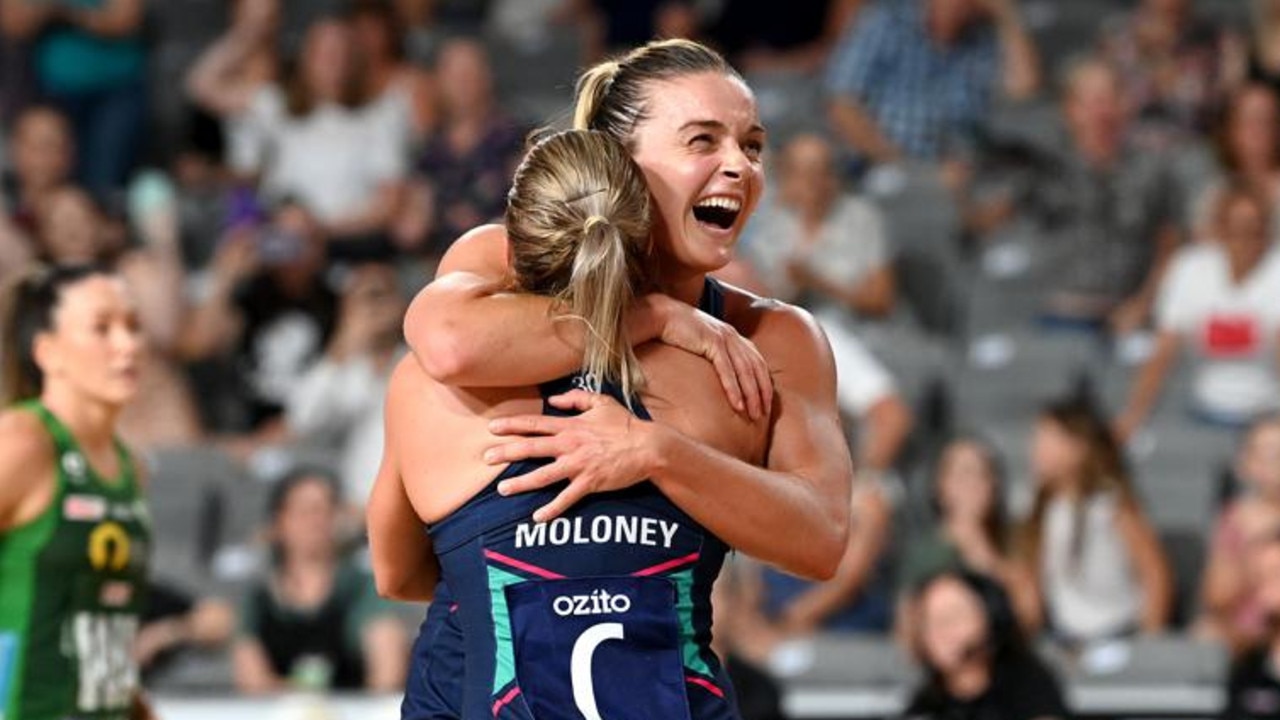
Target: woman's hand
[605,448]
[743,372]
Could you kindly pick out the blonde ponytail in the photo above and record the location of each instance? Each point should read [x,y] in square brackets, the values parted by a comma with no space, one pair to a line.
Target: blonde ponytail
[578,225]
[591,91]
[599,293]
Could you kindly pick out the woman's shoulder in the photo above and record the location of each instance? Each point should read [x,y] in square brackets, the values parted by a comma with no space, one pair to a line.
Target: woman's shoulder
[25,444]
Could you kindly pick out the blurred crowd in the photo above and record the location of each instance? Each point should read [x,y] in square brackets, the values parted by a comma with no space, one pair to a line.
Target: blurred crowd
[1040,236]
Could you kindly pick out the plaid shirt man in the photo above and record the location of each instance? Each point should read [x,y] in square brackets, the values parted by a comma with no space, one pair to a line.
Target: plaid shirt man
[924,97]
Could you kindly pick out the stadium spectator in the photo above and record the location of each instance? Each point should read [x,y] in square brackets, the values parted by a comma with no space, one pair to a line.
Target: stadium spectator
[1169,60]
[266,309]
[235,69]
[1107,209]
[975,660]
[912,79]
[90,60]
[1253,691]
[399,91]
[467,163]
[312,139]
[758,39]
[338,400]
[818,245]
[1248,145]
[1232,610]
[1220,300]
[43,156]
[972,531]
[1100,567]
[771,607]
[314,618]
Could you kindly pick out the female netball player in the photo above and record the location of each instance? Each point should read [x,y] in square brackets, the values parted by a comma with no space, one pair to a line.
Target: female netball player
[691,124]
[605,610]
[74,531]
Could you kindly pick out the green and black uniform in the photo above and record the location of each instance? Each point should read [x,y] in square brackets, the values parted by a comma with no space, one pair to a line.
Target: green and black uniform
[71,589]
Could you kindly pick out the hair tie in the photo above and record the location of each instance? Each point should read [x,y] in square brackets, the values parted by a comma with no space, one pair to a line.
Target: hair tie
[594,221]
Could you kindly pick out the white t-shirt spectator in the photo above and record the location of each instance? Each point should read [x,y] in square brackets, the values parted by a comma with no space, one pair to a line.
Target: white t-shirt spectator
[1090,588]
[850,245]
[333,159]
[1231,329]
[861,381]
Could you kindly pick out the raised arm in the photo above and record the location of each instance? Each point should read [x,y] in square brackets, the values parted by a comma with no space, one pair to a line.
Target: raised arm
[466,329]
[211,82]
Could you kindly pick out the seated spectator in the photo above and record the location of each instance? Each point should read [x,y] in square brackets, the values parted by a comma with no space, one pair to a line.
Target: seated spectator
[43,157]
[1248,154]
[1169,61]
[972,531]
[1253,690]
[770,607]
[1107,209]
[265,308]
[312,139]
[314,617]
[1220,300]
[758,39]
[976,662]
[910,79]
[90,60]
[174,621]
[72,231]
[1231,607]
[404,94]
[338,399]
[467,164]
[1099,565]
[817,245]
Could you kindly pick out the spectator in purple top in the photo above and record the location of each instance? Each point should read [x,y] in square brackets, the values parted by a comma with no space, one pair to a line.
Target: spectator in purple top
[468,162]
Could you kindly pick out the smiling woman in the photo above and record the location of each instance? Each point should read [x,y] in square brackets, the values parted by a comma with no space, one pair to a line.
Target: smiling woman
[782,467]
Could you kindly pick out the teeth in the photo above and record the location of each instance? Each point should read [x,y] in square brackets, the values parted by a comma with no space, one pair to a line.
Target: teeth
[724,203]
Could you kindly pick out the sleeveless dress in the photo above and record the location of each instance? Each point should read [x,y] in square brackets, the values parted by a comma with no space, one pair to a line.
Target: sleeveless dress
[72,585]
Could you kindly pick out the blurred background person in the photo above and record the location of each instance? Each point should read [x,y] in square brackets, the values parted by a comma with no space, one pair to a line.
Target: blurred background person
[1101,570]
[90,60]
[1231,605]
[312,138]
[402,93]
[466,164]
[313,619]
[1252,689]
[263,315]
[911,79]
[1248,150]
[42,149]
[1220,300]
[976,663]
[1170,62]
[338,401]
[971,530]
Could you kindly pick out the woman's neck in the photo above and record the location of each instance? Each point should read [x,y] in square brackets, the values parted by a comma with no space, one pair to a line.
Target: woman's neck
[686,289]
[92,422]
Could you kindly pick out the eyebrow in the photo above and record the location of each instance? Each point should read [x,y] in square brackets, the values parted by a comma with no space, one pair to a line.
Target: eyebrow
[717,125]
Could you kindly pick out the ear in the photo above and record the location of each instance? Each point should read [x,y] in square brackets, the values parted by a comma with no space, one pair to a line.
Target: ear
[44,350]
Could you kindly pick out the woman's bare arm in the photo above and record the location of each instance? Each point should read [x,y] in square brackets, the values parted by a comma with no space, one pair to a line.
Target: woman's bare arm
[467,330]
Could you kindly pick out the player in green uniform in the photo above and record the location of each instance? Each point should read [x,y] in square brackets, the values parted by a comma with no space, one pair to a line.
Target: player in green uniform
[74,532]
